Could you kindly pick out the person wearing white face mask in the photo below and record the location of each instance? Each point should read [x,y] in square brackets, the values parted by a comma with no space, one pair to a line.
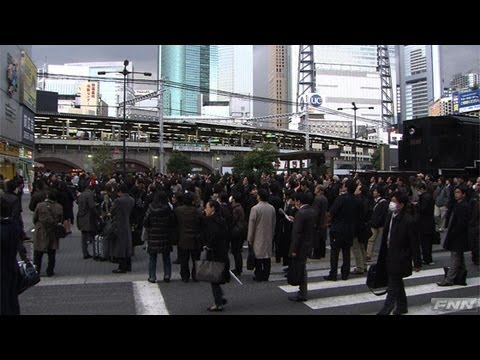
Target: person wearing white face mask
[397,250]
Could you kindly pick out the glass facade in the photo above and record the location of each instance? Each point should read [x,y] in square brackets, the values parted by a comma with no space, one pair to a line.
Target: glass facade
[189,67]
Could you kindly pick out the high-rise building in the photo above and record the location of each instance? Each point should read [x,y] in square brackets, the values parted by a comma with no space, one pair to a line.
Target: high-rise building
[279,84]
[74,74]
[187,70]
[465,81]
[235,75]
[346,74]
[420,80]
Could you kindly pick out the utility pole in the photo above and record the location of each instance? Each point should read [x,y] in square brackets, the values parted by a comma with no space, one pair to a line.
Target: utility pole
[160,127]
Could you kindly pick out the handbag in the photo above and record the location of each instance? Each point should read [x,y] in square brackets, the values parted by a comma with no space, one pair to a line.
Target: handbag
[27,276]
[210,271]
[377,279]
[60,231]
[250,258]
[296,272]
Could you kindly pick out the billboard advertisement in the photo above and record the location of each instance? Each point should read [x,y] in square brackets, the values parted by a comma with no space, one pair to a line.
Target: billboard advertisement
[28,82]
[28,120]
[311,100]
[466,101]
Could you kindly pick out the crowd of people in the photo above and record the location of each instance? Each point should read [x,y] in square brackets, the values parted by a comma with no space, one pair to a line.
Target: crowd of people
[285,218]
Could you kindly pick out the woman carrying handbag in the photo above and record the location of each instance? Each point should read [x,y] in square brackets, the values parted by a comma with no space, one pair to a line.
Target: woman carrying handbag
[215,238]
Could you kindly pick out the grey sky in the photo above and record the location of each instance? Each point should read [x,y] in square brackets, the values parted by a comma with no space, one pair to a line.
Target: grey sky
[455,58]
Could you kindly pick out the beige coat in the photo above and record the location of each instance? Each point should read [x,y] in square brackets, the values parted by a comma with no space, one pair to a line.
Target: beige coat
[261,228]
[45,238]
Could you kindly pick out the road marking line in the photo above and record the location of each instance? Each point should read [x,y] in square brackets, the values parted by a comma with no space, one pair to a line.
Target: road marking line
[366,297]
[319,285]
[148,299]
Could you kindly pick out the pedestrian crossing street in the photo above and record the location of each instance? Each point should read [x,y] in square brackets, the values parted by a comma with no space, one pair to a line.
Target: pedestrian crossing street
[354,293]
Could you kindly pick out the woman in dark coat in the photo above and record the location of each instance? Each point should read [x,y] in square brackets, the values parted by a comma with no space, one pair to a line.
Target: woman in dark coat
[396,253]
[158,222]
[457,238]
[215,230]
[11,236]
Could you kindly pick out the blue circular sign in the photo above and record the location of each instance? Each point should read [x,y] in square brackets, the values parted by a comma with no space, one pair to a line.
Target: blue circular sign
[316,100]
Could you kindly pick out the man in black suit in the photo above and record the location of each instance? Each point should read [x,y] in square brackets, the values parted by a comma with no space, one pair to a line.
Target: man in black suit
[303,233]
[425,222]
[341,232]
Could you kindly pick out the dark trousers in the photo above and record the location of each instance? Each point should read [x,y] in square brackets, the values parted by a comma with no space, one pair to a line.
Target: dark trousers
[87,238]
[167,265]
[334,253]
[37,260]
[236,248]
[125,264]
[475,247]
[262,269]
[217,294]
[395,295]
[426,245]
[319,246]
[302,288]
[184,256]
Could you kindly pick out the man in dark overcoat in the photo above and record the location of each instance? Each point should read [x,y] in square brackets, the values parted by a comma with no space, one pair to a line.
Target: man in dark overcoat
[399,246]
[122,243]
[87,219]
[189,220]
[342,229]
[303,234]
[457,236]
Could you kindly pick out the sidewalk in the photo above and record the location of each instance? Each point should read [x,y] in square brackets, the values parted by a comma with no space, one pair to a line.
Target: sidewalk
[71,268]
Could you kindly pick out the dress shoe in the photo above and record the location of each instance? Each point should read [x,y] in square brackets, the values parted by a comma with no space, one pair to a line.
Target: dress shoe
[258,279]
[119,271]
[215,308]
[285,269]
[330,278]
[444,283]
[50,274]
[166,279]
[344,277]
[154,281]
[185,280]
[176,261]
[224,301]
[296,298]
[87,256]
[400,311]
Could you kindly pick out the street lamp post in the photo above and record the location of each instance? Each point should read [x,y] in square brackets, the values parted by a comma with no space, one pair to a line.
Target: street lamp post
[355,108]
[125,73]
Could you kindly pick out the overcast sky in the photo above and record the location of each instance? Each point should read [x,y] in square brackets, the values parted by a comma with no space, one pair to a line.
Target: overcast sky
[455,58]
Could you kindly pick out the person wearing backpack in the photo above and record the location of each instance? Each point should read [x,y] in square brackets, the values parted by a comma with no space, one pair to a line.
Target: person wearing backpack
[45,218]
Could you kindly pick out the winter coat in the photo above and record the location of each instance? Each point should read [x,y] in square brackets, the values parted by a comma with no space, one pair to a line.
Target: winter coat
[261,229]
[457,234]
[121,210]
[303,232]
[46,217]
[343,220]
[402,247]
[87,213]
[189,221]
[159,223]
[10,235]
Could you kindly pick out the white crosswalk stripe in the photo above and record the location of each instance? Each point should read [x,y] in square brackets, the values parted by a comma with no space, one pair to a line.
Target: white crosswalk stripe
[418,284]
[366,297]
